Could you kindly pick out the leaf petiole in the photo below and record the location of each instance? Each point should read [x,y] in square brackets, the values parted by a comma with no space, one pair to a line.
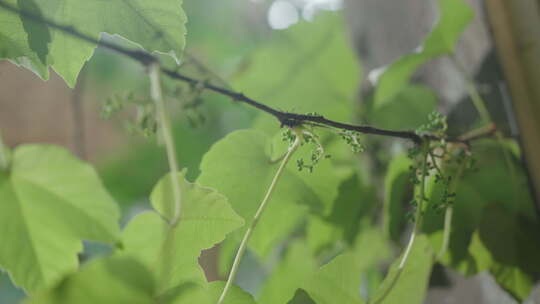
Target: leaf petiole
[4,163]
[257,216]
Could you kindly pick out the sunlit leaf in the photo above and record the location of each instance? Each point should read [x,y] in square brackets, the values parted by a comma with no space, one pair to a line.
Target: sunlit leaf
[111,280]
[355,201]
[206,218]
[209,294]
[49,202]
[154,25]
[339,281]
[238,167]
[296,267]
[308,67]
[495,166]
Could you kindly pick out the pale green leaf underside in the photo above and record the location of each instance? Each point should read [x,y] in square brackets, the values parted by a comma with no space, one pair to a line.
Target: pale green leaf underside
[454,16]
[125,280]
[49,201]
[110,280]
[409,285]
[154,25]
[206,219]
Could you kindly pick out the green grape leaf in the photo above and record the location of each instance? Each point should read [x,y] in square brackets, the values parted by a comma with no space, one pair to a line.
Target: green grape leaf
[109,280]
[396,183]
[339,281]
[238,167]
[410,284]
[475,191]
[301,63]
[507,246]
[454,16]
[209,294]
[154,25]
[408,111]
[17,46]
[206,218]
[49,202]
[354,202]
[301,297]
[296,267]
[336,282]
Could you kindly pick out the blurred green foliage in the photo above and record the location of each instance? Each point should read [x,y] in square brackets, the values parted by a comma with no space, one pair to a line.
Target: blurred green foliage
[326,237]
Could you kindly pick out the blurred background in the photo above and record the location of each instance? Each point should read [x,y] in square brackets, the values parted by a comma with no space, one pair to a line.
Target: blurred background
[298,55]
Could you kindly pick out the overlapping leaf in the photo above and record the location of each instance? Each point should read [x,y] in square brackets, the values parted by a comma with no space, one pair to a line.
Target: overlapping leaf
[209,294]
[49,202]
[238,167]
[472,248]
[410,284]
[306,68]
[126,280]
[173,252]
[339,280]
[154,25]
[454,16]
[111,280]
[295,268]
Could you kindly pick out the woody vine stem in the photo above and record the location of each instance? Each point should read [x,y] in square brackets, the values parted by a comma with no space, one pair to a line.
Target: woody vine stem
[285,118]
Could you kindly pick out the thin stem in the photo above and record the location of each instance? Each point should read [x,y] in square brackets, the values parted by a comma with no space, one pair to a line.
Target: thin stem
[3,155]
[256,217]
[446,232]
[166,133]
[449,212]
[419,207]
[417,224]
[476,98]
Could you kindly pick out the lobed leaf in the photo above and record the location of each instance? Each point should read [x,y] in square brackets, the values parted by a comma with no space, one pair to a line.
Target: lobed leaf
[154,25]
[410,284]
[238,167]
[206,218]
[454,16]
[49,202]
[110,280]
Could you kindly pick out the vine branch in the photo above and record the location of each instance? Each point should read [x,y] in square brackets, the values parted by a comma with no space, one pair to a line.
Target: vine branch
[285,118]
[257,216]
